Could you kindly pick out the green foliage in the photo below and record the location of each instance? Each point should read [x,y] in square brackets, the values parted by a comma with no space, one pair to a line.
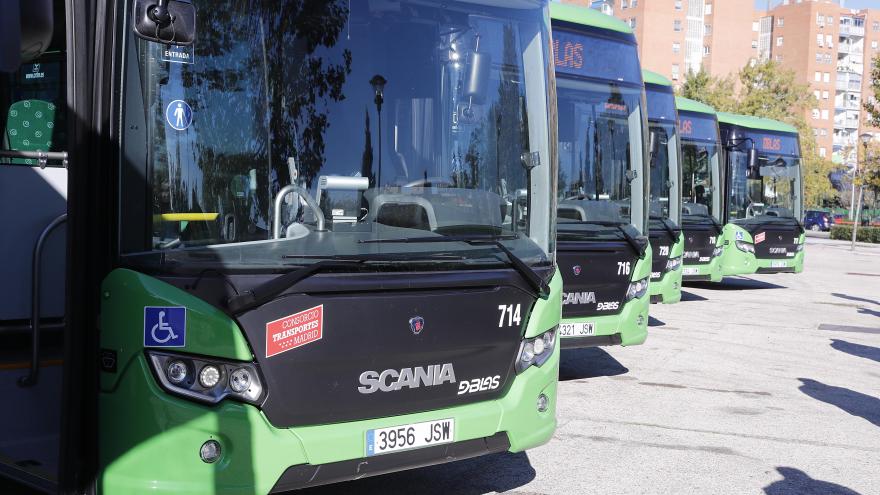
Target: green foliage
[864,234]
[716,92]
[871,104]
[769,90]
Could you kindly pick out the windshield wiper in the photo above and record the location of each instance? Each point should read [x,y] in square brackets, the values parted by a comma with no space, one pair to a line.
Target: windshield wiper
[632,241]
[540,286]
[672,231]
[267,291]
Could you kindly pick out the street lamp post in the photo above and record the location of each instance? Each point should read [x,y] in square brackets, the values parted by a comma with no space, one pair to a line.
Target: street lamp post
[865,138]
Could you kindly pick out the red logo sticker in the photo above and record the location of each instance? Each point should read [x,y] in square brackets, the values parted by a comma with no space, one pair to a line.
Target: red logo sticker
[294,331]
[760,237]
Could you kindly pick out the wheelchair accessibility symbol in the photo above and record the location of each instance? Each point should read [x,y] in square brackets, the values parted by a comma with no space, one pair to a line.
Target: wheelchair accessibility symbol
[164,326]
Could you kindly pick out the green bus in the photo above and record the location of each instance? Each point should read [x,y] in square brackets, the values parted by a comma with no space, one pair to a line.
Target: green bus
[313,241]
[702,191]
[667,241]
[764,200]
[603,253]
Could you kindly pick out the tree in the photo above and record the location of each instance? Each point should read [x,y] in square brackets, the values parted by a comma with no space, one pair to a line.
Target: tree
[767,89]
[871,103]
[716,92]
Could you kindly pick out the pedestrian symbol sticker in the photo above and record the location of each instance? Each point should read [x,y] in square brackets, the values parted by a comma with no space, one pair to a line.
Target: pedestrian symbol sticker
[179,115]
[164,326]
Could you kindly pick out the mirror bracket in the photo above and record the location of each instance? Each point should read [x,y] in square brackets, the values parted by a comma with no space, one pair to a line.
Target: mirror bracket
[171,22]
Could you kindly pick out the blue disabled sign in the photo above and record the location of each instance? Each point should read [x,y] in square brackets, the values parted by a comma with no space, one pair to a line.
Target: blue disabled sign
[164,326]
[179,115]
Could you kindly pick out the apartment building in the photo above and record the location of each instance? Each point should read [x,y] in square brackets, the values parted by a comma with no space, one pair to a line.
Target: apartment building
[677,36]
[829,47]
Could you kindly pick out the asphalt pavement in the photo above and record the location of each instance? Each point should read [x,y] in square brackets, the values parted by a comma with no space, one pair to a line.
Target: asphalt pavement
[761,384]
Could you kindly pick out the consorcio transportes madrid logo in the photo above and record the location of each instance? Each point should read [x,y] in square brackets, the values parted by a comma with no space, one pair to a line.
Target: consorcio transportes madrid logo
[294,331]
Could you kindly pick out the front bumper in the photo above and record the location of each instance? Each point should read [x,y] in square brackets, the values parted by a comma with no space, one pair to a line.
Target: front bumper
[709,272]
[629,327]
[667,290]
[788,265]
[150,440]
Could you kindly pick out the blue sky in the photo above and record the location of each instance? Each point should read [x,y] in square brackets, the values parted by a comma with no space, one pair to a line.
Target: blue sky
[851,4]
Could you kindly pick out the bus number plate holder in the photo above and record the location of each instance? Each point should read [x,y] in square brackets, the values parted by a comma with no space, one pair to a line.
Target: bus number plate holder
[411,436]
[576,329]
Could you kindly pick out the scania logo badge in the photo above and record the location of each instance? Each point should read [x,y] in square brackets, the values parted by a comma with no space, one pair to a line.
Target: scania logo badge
[576,269]
[416,324]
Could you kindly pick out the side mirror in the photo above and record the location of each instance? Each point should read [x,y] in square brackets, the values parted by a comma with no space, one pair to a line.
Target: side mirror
[753,158]
[653,144]
[164,21]
[25,32]
[477,76]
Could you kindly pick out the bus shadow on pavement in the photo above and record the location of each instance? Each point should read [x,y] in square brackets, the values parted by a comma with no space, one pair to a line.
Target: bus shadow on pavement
[795,481]
[654,322]
[859,350]
[736,283]
[854,403]
[486,474]
[690,296]
[590,362]
[855,298]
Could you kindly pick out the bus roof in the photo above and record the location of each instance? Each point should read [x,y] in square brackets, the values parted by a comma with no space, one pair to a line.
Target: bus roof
[655,78]
[587,17]
[689,105]
[758,123]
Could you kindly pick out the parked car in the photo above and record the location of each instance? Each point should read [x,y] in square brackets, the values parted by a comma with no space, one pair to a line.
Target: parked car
[818,220]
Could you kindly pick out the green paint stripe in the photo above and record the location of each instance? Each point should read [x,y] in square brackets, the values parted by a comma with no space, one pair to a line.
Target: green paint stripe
[587,17]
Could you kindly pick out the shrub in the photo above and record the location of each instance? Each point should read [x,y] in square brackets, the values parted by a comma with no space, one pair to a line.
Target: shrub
[865,234]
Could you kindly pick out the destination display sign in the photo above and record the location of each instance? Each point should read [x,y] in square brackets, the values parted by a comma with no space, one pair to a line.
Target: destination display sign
[697,127]
[774,144]
[596,57]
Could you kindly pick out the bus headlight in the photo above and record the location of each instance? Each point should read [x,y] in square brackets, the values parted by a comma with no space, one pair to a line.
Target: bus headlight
[799,247]
[206,380]
[672,264]
[637,289]
[744,246]
[536,350]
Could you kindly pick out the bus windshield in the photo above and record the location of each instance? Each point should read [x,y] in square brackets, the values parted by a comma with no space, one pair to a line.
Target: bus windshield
[601,150]
[664,153]
[389,119]
[769,190]
[701,168]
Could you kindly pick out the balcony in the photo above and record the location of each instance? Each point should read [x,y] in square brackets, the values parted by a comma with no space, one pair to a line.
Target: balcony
[846,123]
[849,85]
[850,49]
[847,30]
[850,68]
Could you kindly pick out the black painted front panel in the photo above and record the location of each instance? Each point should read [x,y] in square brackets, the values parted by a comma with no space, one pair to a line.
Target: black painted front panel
[699,244]
[594,270]
[776,242]
[371,331]
[661,246]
